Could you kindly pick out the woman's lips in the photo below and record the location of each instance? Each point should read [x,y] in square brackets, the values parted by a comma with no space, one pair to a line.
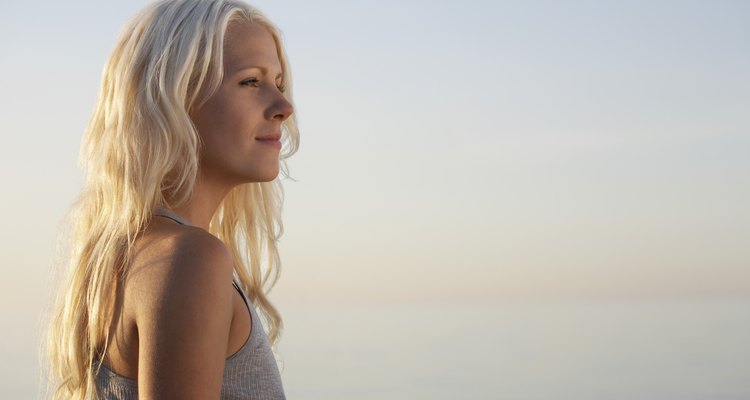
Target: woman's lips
[273,136]
[271,140]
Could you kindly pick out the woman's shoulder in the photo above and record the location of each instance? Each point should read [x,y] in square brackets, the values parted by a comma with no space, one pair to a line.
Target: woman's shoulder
[180,295]
[176,262]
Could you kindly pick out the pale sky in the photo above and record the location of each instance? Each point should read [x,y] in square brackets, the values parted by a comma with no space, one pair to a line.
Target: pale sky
[449,152]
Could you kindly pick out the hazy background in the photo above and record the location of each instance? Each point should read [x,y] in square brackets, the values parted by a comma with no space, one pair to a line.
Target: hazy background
[493,153]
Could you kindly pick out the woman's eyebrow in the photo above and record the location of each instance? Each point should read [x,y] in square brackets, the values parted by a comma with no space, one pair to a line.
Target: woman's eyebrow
[263,70]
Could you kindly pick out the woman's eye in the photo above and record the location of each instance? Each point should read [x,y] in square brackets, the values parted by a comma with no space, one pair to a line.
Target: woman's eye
[250,82]
[255,82]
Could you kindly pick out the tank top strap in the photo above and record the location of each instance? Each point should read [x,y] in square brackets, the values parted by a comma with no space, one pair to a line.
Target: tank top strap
[242,293]
[174,217]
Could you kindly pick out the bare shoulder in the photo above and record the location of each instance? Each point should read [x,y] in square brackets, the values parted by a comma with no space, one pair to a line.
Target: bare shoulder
[172,259]
[179,292]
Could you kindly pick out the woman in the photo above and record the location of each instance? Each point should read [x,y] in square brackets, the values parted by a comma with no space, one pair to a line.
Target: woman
[180,212]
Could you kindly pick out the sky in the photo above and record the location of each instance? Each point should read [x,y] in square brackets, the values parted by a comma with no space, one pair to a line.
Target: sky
[478,152]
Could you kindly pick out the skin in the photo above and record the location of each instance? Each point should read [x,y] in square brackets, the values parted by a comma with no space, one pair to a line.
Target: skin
[179,317]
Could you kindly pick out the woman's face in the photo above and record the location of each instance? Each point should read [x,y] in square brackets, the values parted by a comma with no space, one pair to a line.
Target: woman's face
[240,125]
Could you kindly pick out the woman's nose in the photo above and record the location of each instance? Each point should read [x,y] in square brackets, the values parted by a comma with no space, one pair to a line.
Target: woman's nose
[281,109]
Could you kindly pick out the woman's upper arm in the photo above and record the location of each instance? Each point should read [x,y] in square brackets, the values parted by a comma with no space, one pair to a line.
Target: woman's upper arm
[183,320]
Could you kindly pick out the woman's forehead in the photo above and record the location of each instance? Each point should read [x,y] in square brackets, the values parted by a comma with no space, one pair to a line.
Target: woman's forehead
[249,45]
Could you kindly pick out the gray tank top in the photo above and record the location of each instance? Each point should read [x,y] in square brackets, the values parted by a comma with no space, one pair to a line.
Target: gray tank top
[250,373]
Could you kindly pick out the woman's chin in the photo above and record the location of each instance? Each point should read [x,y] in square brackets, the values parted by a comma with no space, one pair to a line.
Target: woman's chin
[267,176]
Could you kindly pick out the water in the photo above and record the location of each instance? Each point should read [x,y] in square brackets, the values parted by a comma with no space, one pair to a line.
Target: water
[564,350]
[629,350]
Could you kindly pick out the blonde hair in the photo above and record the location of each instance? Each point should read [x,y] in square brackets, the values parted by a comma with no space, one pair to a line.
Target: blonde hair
[141,152]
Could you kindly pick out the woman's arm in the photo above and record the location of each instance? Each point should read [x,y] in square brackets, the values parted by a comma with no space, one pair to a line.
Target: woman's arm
[183,317]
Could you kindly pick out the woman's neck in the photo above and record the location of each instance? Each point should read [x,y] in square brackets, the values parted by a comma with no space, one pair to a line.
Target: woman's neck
[205,200]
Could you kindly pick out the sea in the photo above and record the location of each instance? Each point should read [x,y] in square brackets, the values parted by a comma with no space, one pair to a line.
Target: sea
[582,350]
[667,349]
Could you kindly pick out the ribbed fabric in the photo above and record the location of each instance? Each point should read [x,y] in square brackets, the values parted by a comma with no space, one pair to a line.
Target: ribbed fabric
[250,373]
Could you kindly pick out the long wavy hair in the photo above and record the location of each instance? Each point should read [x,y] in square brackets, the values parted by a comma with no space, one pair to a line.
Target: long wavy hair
[140,152]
